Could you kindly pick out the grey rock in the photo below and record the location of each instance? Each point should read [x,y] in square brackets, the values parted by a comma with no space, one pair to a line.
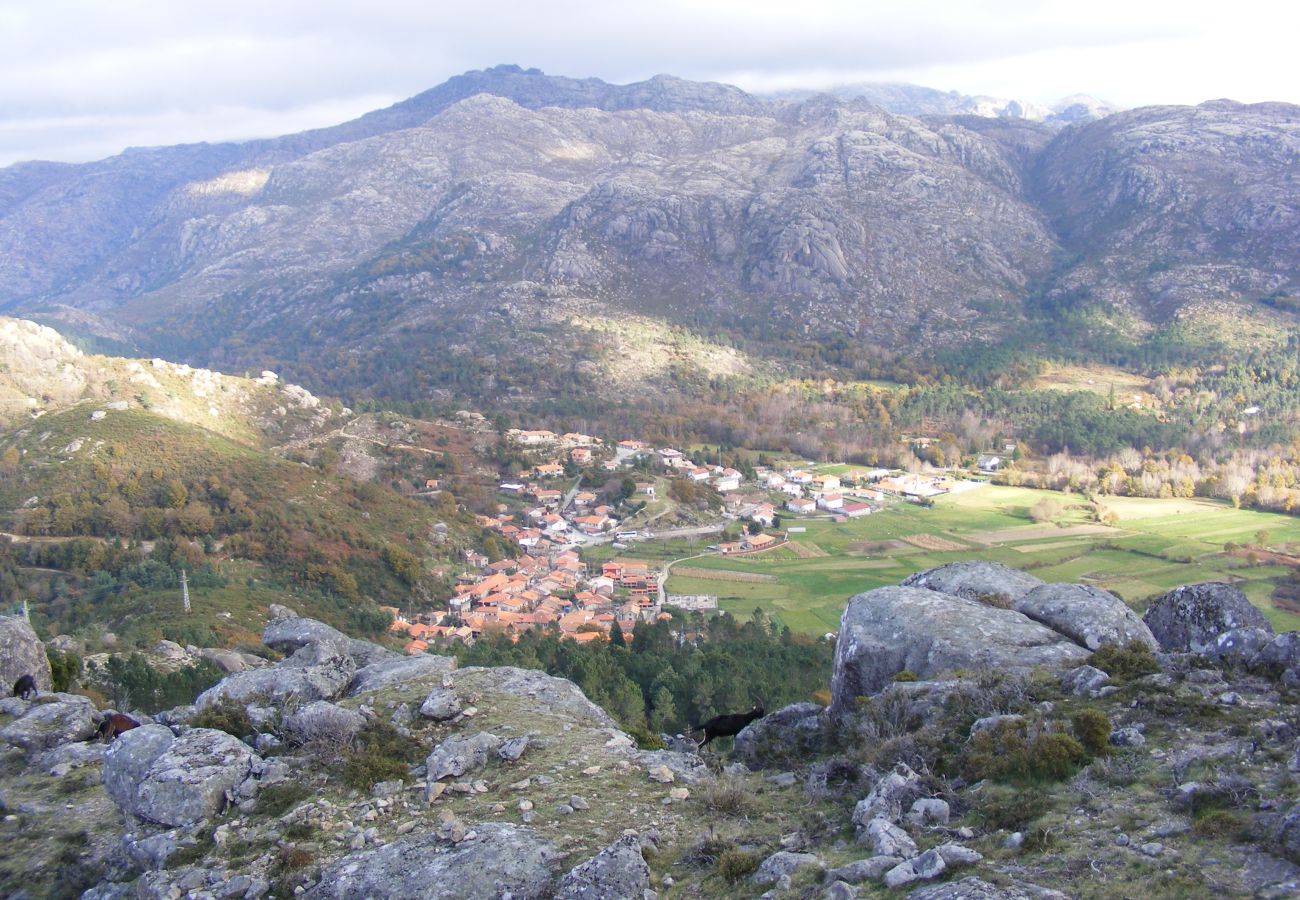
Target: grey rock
[1278,655]
[892,794]
[13,706]
[1088,615]
[1083,680]
[1287,833]
[323,722]
[958,855]
[152,851]
[159,777]
[619,872]
[784,864]
[989,722]
[54,720]
[869,869]
[555,696]
[791,732]
[973,580]
[932,811]
[316,671]
[227,661]
[901,874]
[887,839]
[457,755]
[1014,841]
[1128,736]
[22,653]
[929,865]
[441,704]
[513,749]
[400,670]
[499,860]
[1193,616]
[890,630]
[687,768]
[63,759]
[1238,646]
[972,888]
[291,634]
[1153,848]
[839,890]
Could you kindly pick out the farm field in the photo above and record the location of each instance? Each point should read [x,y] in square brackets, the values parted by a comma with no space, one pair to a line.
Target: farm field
[1154,546]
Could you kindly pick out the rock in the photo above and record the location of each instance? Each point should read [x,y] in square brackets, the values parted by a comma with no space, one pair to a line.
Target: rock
[513,749]
[791,732]
[929,812]
[457,755]
[784,864]
[687,768]
[972,888]
[1278,655]
[499,860]
[1238,646]
[957,855]
[441,704]
[54,720]
[1083,680]
[839,890]
[152,851]
[661,774]
[890,630]
[22,653]
[892,794]
[159,777]
[1193,616]
[322,721]
[1152,849]
[1086,614]
[864,869]
[901,874]
[619,871]
[399,670]
[974,580]
[227,661]
[929,865]
[292,633]
[887,839]
[1015,840]
[319,671]
[75,755]
[1287,834]
[170,650]
[580,803]
[1127,737]
[989,722]
[13,706]
[556,696]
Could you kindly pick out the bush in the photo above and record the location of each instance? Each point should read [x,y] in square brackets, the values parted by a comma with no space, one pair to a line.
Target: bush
[999,807]
[996,600]
[226,716]
[64,668]
[727,796]
[1006,753]
[904,676]
[1092,728]
[1133,660]
[378,753]
[733,865]
[278,799]
[1054,757]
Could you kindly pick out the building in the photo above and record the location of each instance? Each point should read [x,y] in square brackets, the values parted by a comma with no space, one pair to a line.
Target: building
[799,505]
[855,510]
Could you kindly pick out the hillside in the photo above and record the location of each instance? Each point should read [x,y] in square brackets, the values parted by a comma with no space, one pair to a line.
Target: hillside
[396,255]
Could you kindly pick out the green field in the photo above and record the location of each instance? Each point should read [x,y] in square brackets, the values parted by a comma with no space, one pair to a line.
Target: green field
[1155,546]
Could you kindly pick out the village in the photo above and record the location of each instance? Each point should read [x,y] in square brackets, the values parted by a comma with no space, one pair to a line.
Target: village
[545,521]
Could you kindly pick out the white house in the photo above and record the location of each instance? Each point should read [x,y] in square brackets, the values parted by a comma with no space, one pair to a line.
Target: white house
[855,510]
[799,476]
[800,506]
[830,501]
[792,489]
[727,482]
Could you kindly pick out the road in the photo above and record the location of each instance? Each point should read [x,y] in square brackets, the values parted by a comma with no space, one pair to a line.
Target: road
[663,579]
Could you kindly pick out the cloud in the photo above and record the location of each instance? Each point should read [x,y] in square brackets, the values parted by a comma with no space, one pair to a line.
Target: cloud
[83,78]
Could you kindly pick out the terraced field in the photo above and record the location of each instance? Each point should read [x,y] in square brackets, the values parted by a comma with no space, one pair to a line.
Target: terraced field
[1155,545]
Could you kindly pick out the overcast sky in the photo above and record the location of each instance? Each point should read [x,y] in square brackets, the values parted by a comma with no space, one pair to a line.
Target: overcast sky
[84,79]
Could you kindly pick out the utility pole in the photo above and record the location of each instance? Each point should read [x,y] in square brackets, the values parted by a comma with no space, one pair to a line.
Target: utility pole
[27,612]
[185,591]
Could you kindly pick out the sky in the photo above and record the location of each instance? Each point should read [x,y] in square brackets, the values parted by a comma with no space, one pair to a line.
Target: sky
[85,79]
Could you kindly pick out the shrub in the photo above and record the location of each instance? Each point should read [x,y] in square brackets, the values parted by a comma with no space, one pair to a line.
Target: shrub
[64,668]
[1006,753]
[378,753]
[822,698]
[996,600]
[734,865]
[1092,728]
[278,799]
[905,676]
[225,716]
[1132,660]
[999,807]
[727,796]
[1054,757]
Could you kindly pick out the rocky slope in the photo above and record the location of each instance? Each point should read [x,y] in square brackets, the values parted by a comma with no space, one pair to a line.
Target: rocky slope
[506,200]
[987,770]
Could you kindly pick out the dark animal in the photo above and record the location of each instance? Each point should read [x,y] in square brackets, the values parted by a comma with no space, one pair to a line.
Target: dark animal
[25,687]
[728,725]
[114,725]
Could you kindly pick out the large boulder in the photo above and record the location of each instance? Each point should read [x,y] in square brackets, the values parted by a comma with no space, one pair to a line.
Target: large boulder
[546,693]
[1191,617]
[320,671]
[398,670]
[890,798]
[1085,614]
[289,635]
[323,722]
[1239,646]
[56,720]
[976,580]
[22,653]
[1279,654]
[895,629]
[499,860]
[792,732]
[458,755]
[619,872]
[159,777]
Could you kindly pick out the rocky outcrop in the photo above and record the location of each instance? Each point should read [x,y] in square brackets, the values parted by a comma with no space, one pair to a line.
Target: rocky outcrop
[619,872]
[54,720]
[976,580]
[789,733]
[493,860]
[169,780]
[323,721]
[316,671]
[21,653]
[973,888]
[386,672]
[1085,614]
[891,630]
[457,755]
[557,696]
[892,795]
[1193,616]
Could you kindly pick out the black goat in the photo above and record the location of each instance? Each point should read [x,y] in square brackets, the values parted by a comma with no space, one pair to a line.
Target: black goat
[728,725]
[25,687]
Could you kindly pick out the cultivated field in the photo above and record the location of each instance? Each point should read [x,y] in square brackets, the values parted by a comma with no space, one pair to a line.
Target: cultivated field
[1156,545]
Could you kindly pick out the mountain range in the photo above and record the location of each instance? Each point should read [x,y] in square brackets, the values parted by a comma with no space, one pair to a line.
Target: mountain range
[507,202]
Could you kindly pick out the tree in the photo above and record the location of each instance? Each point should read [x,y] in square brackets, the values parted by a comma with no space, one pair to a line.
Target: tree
[616,638]
[663,712]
